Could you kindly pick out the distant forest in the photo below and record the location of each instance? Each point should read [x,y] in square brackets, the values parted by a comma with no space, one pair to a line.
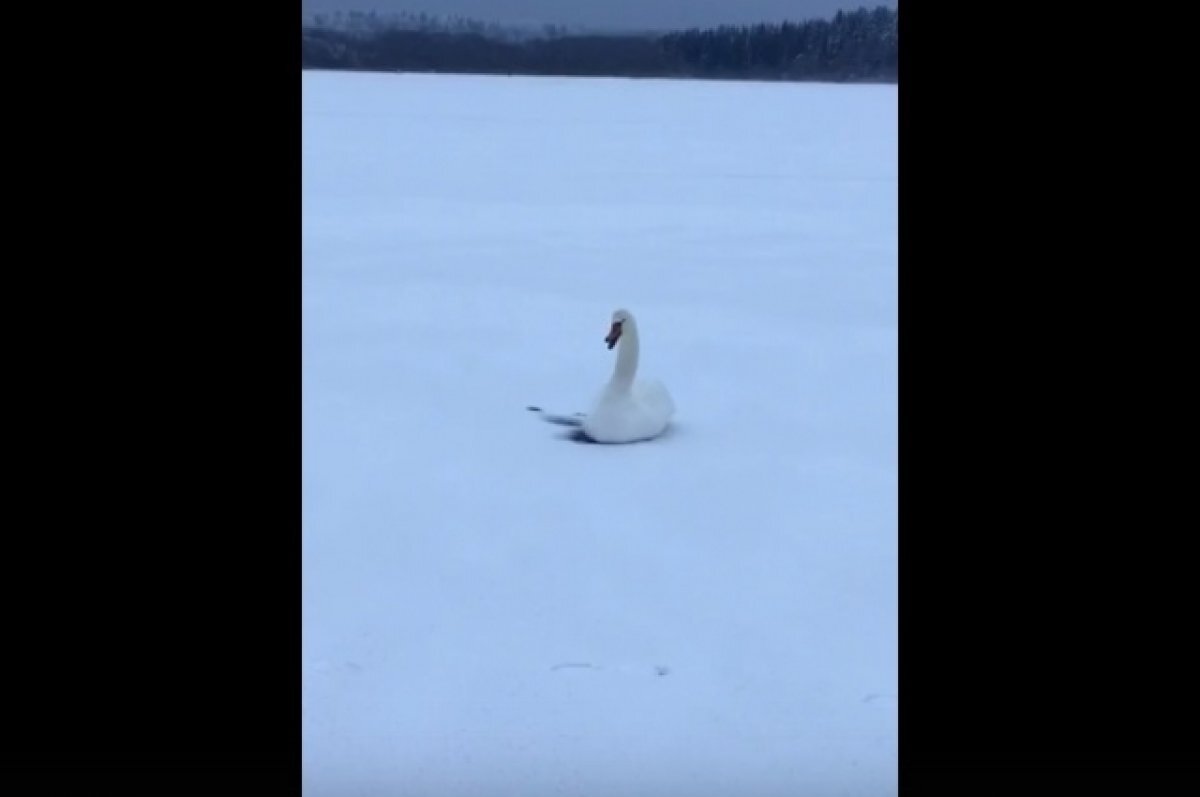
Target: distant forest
[853,46]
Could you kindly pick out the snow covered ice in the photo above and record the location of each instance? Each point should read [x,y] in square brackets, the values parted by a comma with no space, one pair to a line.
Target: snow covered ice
[492,609]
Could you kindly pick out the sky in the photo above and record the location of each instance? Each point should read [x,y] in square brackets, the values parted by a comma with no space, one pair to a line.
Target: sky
[613,14]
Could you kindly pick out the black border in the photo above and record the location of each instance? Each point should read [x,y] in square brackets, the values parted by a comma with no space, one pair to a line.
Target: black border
[1043,590]
[153,568]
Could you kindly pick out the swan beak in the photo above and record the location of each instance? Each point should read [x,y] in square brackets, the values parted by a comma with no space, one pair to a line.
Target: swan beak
[614,334]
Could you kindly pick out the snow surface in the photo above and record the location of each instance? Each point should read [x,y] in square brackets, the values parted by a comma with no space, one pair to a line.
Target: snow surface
[493,609]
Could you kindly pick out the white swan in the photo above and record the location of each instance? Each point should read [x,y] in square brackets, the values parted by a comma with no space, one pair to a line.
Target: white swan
[628,411]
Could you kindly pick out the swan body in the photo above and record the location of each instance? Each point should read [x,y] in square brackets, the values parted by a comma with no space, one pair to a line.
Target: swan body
[628,410]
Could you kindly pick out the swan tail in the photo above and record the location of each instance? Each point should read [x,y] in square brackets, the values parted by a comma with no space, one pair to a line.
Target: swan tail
[575,420]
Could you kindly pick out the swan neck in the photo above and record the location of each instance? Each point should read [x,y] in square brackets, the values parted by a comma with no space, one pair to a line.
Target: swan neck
[627,355]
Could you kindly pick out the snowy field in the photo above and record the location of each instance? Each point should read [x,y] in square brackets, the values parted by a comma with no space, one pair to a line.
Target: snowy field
[492,609]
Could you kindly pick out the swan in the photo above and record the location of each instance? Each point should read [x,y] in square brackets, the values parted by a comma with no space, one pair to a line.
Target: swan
[628,411]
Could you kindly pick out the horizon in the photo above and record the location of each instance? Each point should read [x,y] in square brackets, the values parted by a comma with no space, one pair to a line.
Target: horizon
[648,15]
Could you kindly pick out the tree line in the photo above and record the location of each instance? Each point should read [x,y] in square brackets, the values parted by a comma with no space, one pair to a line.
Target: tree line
[858,45]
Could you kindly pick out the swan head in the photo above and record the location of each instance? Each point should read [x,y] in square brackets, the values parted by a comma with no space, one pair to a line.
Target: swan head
[619,318]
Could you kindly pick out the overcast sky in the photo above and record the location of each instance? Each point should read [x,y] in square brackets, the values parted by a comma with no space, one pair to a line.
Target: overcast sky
[619,14]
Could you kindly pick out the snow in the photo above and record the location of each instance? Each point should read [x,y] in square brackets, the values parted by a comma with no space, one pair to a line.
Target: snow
[493,609]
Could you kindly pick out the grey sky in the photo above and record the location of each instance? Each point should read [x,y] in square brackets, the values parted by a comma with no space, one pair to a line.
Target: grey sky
[620,14]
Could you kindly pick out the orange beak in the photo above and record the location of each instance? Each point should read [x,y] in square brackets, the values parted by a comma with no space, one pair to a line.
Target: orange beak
[614,334]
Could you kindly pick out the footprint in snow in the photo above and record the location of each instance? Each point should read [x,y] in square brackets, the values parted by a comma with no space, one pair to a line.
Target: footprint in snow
[658,670]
